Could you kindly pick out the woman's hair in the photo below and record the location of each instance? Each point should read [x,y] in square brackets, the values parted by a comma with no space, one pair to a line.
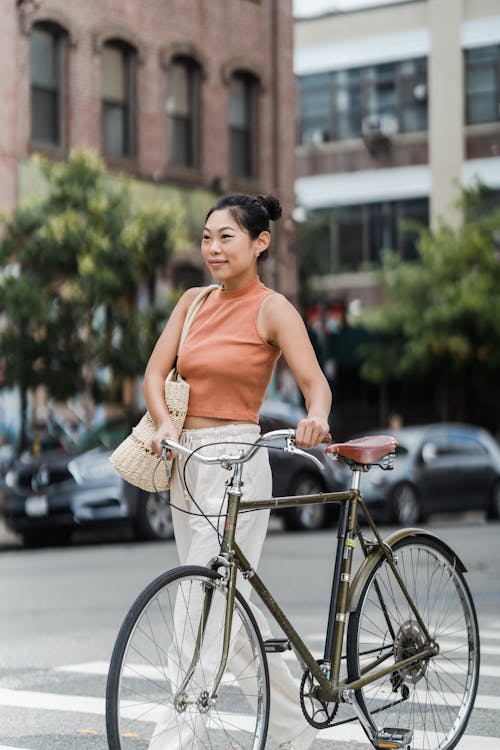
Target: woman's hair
[251,214]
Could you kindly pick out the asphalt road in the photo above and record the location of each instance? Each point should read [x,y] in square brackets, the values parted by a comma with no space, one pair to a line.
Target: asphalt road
[61,609]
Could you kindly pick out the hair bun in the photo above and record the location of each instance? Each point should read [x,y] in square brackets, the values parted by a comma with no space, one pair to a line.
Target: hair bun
[272,205]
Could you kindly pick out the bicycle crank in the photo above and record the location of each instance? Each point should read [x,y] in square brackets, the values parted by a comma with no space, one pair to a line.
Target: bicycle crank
[319,714]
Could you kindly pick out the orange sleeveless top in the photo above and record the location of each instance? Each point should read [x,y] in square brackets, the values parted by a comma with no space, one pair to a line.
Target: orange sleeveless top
[224,359]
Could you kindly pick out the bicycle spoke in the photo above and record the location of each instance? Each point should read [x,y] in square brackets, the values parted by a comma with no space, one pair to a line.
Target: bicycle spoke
[151,662]
[432,696]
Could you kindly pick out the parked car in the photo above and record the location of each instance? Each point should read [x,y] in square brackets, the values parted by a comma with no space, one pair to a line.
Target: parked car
[49,495]
[439,468]
[50,492]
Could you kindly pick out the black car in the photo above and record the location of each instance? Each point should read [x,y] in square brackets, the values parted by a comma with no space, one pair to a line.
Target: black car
[49,495]
[439,468]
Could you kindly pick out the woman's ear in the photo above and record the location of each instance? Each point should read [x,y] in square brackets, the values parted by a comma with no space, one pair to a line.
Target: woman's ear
[262,242]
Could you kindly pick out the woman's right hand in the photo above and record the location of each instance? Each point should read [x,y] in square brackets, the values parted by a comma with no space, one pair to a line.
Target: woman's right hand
[165,430]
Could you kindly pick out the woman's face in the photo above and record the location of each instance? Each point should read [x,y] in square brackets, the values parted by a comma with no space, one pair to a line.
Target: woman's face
[228,250]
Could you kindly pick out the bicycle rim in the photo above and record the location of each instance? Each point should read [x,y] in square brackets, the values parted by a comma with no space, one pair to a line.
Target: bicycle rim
[147,704]
[432,697]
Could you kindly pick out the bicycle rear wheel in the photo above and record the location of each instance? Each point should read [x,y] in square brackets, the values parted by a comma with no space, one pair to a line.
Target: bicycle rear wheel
[432,697]
[147,705]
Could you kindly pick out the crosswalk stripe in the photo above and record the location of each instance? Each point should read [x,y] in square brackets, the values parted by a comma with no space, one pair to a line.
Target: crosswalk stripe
[101,668]
[86,704]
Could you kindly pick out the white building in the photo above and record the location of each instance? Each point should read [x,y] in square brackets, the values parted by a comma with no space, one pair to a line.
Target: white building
[398,105]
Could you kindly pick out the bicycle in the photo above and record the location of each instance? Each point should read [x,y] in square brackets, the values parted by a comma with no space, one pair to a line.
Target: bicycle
[190,651]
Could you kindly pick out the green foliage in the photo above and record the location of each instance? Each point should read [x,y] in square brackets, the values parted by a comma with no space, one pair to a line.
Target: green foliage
[441,315]
[73,265]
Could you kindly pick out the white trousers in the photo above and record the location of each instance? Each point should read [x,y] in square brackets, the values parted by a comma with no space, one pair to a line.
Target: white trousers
[197,544]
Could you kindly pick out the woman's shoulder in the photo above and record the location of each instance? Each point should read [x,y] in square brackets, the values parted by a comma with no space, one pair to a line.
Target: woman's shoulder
[192,293]
[276,301]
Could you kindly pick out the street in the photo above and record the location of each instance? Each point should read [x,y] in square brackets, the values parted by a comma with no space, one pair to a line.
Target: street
[62,607]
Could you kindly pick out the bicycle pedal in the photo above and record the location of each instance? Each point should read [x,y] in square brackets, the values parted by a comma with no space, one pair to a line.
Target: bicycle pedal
[276,645]
[393,738]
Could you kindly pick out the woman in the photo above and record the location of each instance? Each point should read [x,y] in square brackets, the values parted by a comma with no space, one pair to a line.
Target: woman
[228,360]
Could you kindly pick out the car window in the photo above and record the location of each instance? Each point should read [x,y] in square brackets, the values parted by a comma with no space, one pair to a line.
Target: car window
[466,444]
[442,446]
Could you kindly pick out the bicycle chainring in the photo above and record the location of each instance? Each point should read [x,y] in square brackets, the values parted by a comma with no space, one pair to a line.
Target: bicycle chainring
[319,714]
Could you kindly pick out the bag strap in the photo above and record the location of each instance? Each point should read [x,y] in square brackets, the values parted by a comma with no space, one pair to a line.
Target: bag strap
[193,311]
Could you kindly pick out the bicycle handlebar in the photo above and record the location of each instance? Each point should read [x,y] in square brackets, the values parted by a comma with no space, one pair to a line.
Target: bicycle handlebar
[241,456]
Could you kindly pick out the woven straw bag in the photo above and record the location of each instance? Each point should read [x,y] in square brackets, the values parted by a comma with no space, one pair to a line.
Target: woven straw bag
[133,459]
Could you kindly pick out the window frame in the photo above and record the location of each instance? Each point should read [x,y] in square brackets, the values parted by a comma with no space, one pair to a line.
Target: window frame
[365,80]
[249,132]
[193,119]
[362,223]
[471,65]
[126,105]
[59,40]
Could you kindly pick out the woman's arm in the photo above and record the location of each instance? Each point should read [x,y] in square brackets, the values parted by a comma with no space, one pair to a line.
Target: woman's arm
[280,324]
[159,365]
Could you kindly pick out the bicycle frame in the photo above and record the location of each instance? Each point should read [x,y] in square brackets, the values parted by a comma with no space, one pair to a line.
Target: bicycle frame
[327,672]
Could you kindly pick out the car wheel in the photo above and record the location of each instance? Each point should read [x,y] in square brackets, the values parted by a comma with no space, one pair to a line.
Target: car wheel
[406,507]
[493,511]
[154,517]
[307,517]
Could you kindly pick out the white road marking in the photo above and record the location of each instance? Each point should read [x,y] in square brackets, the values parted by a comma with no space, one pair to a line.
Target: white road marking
[90,705]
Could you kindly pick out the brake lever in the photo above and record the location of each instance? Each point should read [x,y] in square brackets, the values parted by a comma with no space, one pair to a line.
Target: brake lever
[292,448]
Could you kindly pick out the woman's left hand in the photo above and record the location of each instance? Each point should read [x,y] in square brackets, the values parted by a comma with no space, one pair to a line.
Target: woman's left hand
[312,431]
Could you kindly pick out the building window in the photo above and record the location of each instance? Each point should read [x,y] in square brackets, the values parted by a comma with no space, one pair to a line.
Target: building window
[47,53]
[347,103]
[358,234]
[482,84]
[183,111]
[242,125]
[117,91]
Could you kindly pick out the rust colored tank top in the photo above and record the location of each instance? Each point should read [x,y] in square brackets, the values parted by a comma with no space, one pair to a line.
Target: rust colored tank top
[224,359]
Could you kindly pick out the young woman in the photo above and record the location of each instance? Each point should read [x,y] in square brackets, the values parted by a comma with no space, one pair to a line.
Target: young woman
[228,359]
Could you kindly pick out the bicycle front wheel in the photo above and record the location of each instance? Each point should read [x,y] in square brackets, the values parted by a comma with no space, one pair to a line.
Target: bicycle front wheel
[163,666]
[434,696]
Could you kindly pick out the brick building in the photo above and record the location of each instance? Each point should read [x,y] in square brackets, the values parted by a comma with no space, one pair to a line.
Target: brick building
[189,97]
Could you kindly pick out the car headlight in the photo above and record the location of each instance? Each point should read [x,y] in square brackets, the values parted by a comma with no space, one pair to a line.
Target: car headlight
[11,479]
[92,469]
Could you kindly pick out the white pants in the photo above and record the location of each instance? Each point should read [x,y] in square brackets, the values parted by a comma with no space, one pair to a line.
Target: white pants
[197,544]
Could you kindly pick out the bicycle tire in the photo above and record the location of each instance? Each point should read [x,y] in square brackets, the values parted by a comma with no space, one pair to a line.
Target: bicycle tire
[433,697]
[149,660]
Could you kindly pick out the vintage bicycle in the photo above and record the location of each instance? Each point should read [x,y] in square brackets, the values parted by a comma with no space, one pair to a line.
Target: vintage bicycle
[401,645]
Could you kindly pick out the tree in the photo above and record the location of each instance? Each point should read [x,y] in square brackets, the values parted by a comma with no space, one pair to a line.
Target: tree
[74,262]
[441,317]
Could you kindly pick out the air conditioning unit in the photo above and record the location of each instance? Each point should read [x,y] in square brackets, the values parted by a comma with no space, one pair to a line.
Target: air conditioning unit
[379,125]
[420,92]
[314,137]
